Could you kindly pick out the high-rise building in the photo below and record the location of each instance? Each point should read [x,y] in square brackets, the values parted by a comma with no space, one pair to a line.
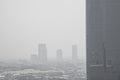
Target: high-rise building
[42,53]
[34,58]
[103,46]
[59,55]
[74,52]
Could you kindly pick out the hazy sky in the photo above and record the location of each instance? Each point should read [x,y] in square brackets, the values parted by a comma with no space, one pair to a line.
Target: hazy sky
[26,23]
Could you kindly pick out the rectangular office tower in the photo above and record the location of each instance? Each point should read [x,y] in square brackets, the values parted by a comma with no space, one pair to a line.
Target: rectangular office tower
[74,52]
[59,55]
[103,39]
[42,53]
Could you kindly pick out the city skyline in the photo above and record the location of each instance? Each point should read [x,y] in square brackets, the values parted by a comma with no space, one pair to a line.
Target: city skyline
[24,26]
[42,55]
[42,40]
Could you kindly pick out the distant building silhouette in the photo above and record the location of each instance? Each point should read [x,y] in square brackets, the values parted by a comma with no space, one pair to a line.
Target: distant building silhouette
[34,58]
[74,52]
[59,55]
[103,39]
[42,53]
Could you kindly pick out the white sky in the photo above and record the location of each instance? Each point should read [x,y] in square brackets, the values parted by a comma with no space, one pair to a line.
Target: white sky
[25,23]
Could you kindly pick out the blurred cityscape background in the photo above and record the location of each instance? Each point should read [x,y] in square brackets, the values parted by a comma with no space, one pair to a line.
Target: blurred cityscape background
[42,40]
[39,67]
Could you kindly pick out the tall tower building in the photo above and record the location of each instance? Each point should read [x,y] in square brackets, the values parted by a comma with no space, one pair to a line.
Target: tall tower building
[34,58]
[42,53]
[74,52]
[103,46]
[59,55]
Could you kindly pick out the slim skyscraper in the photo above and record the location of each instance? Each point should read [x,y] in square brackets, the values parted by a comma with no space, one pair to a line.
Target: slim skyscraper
[59,55]
[34,58]
[74,52]
[103,36]
[42,53]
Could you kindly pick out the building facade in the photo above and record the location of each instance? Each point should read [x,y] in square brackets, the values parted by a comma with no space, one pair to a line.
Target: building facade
[59,55]
[103,46]
[34,58]
[74,52]
[42,53]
